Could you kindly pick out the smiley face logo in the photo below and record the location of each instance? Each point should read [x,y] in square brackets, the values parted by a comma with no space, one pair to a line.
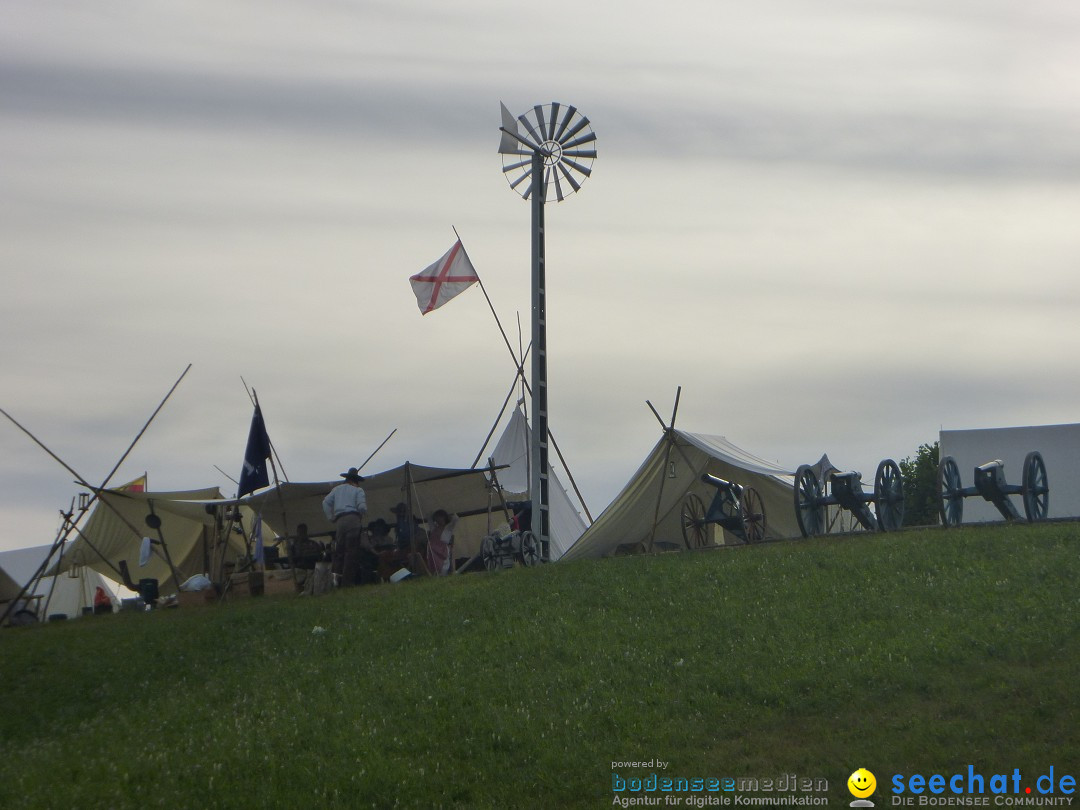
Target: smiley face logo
[861,783]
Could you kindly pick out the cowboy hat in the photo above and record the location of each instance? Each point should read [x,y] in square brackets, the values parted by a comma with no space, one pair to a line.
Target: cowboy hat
[352,475]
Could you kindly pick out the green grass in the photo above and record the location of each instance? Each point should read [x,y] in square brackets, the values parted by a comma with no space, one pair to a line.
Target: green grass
[923,651]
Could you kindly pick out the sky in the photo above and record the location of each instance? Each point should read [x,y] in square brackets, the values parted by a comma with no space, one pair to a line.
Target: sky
[839,226]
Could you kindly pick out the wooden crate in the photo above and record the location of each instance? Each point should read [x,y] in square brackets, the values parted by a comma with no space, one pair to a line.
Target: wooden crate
[278,582]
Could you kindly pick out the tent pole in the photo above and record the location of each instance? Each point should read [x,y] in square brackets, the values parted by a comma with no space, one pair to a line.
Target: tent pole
[62,535]
[377,449]
[668,433]
[495,424]
[59,560]
[491,306]
[164,546]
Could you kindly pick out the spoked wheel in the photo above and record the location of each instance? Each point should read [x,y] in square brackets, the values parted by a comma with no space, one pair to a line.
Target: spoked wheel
[753,515]
[809,513]
[1035,487]
[530,549]
[694,529]
[950,492]
[889,496]
[487,554]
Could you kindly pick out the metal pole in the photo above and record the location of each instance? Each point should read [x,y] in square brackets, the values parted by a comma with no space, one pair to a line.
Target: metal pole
[539,449]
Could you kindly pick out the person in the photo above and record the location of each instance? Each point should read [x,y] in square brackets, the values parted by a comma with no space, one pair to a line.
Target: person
[102,602]
[380,534]
[440,548]
[405,530]
[345,507]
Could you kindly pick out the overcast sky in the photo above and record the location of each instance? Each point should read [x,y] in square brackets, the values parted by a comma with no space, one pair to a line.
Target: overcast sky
[840,226]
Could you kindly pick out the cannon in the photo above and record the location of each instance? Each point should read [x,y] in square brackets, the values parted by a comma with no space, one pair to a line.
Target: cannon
[500,550]
[734,507]
[990,483]
[847,492]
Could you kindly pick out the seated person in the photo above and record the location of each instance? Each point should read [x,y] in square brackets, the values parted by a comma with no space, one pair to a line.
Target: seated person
[306,551]
[380,535]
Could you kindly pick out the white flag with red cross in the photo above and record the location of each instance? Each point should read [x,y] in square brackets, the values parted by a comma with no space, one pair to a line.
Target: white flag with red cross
[446,278]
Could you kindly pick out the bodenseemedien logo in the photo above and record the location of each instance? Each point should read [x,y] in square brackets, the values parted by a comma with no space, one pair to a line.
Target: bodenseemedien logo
[861,784]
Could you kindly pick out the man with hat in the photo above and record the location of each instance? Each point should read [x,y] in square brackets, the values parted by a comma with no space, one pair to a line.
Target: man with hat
[345,507]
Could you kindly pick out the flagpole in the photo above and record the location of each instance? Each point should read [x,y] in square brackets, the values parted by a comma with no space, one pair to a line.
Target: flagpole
[491,306]
[277,488]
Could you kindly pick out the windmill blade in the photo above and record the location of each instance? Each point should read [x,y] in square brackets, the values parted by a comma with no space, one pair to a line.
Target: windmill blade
[529,127]
[510,167]
[570,178]
[570,111]
[581,153]
[574,130]
[541,124]
[591,136]
[554,117]
[585,170]
[524,176]
[558,186]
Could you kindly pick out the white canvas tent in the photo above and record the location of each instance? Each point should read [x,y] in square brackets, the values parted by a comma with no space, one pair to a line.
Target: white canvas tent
[66,594]
[191,521]
[1060,449]
[671,471]
[512,451]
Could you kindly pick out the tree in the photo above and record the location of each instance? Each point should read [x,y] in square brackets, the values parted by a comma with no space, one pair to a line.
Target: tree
[920,486]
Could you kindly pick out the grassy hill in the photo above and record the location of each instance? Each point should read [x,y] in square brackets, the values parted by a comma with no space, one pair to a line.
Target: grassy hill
[920,652]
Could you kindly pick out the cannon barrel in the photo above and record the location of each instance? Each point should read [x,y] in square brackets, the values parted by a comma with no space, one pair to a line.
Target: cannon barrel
[719,483]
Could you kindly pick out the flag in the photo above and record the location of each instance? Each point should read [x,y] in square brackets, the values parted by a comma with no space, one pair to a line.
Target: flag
[449,276]
[138,485]
[254,473]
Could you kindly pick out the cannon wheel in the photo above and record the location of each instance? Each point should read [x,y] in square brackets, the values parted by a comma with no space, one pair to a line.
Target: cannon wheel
[950,492]
[809,513]
[487,554]
[752,511]
[1035,487]
[889,496]
[530,549]
[694,530]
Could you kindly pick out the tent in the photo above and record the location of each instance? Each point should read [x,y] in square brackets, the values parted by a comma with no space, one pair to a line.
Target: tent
[512,451]
[672,470]
[66,594]
[1060,449]
[462,491]
[193,526]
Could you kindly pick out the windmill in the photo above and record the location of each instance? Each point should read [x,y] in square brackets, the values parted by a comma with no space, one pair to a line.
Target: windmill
[547,151]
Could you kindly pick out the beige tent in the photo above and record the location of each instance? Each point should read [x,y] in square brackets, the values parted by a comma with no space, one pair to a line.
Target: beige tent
[9,588]
[465,492]
[656,493]
[193,526]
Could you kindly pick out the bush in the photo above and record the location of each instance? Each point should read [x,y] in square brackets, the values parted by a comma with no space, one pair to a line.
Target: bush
[920,486]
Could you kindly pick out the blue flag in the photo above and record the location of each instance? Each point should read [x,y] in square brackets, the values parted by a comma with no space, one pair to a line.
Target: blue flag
[254,474]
